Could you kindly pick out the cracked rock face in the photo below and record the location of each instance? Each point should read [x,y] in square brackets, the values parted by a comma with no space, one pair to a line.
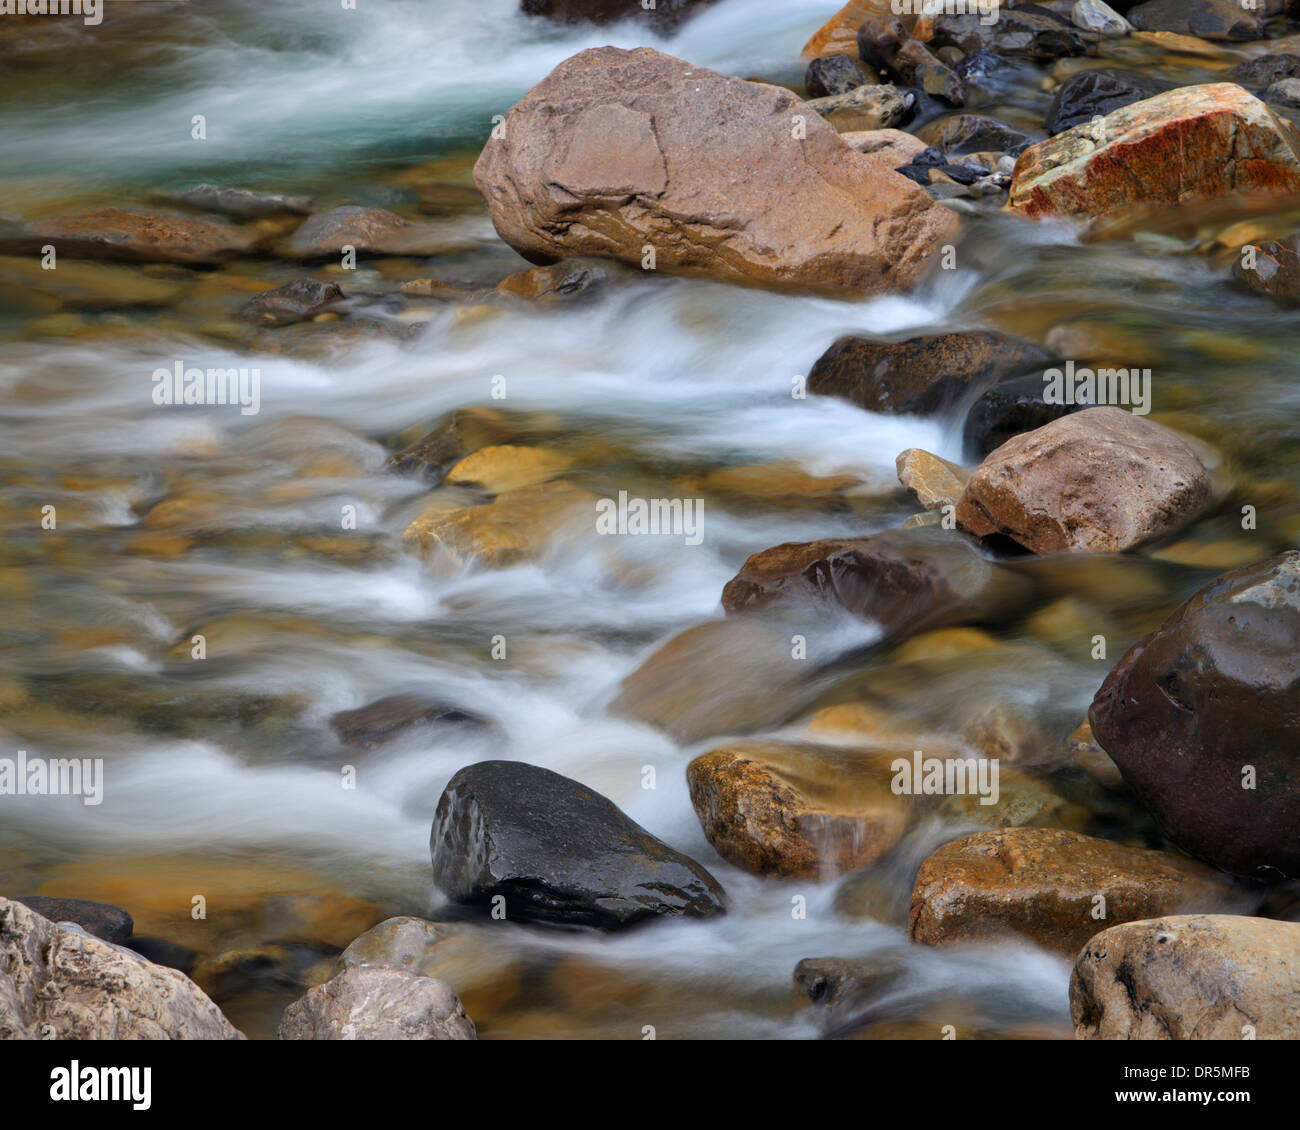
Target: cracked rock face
[1191,143]
[616,152]
[1190,977]
[1101,480]
[1203,719]
[59,983]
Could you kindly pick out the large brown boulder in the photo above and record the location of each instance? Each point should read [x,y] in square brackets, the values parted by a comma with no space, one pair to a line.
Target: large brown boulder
[1045,884]
[1203,719]
[919,375]
[902,579]
[618,151]
[1191,143]
[1191,977]
[1102,480]
[797,811]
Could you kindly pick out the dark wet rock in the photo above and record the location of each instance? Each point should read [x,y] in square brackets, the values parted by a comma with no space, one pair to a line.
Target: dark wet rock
[1102,480]
[961,174]
[1202,717]
[666,15]
[979,66]
[162,952]
[558,852]
[242,203]
[131,236]
[378,1002]
[901,579]
[844,988]
[883,41]
[1206,19]
[834,74]
[1264,70]
[111,923]
[375,723]
[1096,93]
[1044,883]
[63,983]
[1271,268]
[456,435]
[963,134]
[921,375]
[1189,977]
[1027,31]
[1009,409]
[298,301]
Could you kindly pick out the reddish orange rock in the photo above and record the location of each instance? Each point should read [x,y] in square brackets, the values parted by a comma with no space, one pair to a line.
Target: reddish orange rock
[1188,144]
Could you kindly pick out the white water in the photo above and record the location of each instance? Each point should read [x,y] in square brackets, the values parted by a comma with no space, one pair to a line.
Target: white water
[693,371]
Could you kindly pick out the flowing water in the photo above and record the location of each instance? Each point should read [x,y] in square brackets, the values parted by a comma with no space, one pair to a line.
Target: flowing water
[223,776]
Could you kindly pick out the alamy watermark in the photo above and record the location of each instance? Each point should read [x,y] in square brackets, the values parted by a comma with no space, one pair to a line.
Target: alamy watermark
[194,386]
[946,776]
[987,10]
[1119,388]
[660,517]
[92,11]
[53,776]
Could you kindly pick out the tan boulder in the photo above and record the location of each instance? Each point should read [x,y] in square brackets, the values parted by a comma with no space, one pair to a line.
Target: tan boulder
[893,147]
[797,811]
[935,482]
[1187,144]
[619,152]
[516,526]
[1055,887]
[509,467]
[64,984]
[1102,480]
[1190,977]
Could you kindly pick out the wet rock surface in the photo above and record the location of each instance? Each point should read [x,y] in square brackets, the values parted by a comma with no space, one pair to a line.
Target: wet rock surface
[557,851]
[1203,719]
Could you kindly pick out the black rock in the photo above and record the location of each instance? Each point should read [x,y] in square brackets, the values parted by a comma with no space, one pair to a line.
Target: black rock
[962,174]
[833,74]
[111,923]
[1006,410]
[162,952]
[1093,93]
[558,852]
[297,301]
